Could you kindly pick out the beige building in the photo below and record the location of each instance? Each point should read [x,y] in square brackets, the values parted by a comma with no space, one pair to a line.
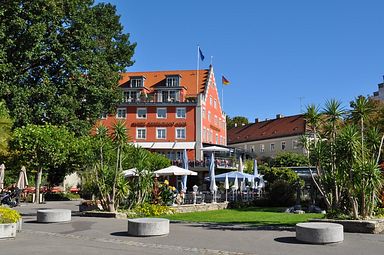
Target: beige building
[379,95]
[267,138]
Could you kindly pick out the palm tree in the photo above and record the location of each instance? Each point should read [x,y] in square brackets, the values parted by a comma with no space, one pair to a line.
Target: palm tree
[361,109]
[334,112]
[313,118]
[119,138]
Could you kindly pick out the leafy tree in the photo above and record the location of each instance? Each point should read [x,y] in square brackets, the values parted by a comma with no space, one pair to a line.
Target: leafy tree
[60,61]
[286,159]
[43,148]
[114,155]
[5,128]
[346,157]
[237,120]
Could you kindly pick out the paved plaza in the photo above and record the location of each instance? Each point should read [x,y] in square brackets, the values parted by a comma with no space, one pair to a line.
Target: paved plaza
[90,235]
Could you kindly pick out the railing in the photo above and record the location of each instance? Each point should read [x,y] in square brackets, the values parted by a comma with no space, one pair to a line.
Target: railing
[219,163]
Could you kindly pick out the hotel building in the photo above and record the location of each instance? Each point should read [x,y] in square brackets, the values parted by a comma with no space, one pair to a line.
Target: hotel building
[169,111]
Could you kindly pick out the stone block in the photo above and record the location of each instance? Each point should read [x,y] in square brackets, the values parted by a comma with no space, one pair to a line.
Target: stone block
[53,215]
[148,227]
[319,233]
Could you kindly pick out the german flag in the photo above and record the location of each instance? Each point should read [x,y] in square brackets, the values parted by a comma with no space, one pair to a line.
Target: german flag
[224,80]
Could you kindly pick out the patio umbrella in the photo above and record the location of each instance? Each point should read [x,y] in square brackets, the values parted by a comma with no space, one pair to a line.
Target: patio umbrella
[215,148]
[212,186]
[226,186]
[174,170]
[255,170]
[22,182]
[242,184]
[231,176]
[236,184]
[235,187]
[130,172]
[2,168]
[184,178]
[241,167]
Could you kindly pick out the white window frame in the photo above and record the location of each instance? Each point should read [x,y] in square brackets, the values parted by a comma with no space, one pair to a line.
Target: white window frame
[118,116]
[283,145]
[173,81]
[157,133]
[184,111]
[157,112]
[137,113]
[262,148]
[209,116]
[272,147]
[176,133]
[295,144]
[137,83]
[141,129]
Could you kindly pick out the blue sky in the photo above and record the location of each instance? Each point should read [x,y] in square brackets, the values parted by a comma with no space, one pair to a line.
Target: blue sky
[275,53]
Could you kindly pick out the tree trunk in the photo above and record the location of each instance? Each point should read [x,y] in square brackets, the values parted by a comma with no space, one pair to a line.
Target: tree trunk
[37,186]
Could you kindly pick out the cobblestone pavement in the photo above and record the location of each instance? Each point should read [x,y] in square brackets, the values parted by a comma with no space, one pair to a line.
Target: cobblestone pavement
[85,235]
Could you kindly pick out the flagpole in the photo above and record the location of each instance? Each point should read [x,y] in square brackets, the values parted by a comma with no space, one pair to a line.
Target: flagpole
[197,73]
[222,96]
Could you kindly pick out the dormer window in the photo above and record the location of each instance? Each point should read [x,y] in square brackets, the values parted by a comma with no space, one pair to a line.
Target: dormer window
[173,81]
[137,82]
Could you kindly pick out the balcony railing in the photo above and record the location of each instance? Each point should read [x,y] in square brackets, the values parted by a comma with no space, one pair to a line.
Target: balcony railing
[153,100]
[220,163]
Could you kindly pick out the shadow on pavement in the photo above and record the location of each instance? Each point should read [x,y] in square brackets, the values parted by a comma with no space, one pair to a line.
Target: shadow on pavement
[290,240]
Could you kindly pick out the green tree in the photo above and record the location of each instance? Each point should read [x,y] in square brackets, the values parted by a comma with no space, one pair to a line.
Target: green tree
[237,120]
[60,61]
[286,159]
[42,148]
[5,128]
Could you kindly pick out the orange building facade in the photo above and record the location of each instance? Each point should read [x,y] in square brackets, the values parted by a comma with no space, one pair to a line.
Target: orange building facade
[169,111]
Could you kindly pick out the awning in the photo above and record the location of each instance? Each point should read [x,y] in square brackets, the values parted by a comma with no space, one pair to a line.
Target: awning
[145,145]
[167,145]
[164,145]
[184,145]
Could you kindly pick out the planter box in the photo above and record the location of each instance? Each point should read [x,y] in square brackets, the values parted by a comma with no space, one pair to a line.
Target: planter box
[8,230]
[358,226]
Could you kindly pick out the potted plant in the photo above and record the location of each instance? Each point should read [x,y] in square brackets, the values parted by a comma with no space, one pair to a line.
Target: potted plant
[10,222]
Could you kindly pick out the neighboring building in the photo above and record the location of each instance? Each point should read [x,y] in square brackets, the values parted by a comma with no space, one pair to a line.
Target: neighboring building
[169,111]
[269,137]
[379,95]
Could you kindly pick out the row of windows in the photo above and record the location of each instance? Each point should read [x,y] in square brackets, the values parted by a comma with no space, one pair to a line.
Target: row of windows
[283,144]
[171,81]
[141,113]
[208,137]
[214,102]
[217,121]
[161,133]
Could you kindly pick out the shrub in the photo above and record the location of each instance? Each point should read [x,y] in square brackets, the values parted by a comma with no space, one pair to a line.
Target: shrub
[147,209]
[61,196]
[8,215]
[282,193]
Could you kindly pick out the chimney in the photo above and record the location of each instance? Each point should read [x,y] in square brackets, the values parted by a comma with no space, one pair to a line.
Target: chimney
[279,116]
[256,120]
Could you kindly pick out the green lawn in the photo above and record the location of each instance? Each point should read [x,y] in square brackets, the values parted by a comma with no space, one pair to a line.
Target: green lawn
[250,216]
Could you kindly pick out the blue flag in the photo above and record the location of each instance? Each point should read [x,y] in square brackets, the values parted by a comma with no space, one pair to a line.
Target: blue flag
[201,55]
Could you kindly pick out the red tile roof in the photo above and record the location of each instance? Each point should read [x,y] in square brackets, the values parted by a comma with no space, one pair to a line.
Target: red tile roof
[158,78]
[281,127]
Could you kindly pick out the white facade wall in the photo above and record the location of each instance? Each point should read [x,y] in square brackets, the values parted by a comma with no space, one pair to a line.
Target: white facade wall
[272,146]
